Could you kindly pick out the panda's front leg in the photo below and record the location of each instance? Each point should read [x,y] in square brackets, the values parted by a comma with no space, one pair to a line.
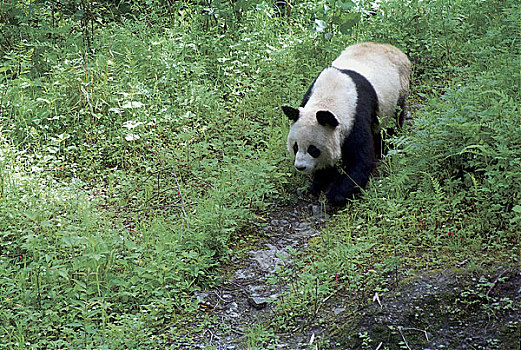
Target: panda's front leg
[347,184]
[323,179]
[358,162]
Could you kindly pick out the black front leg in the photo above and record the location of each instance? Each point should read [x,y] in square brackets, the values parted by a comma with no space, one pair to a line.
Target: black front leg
[349,184]
[323,180]
[358,162]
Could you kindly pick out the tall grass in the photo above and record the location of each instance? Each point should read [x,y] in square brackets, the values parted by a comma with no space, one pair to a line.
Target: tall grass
[131,165]
[128,173]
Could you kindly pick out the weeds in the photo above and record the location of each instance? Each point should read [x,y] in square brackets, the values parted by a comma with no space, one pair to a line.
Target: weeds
[134,152]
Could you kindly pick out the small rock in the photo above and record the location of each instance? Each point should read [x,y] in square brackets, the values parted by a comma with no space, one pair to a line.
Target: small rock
[316,210]
[338,310]
[241,274]
[256,289]
[303,226]
[232,307]
[201,297]
[269,260]
[258,302]
[319,212]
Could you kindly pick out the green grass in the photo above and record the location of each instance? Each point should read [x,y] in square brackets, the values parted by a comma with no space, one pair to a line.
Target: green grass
[132,169]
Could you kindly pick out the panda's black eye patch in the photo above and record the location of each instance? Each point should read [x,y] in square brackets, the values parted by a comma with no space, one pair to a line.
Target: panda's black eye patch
[314,151]
[295,148]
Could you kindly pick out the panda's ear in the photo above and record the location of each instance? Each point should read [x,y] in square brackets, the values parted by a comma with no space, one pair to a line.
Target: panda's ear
[291,113]
[326,118]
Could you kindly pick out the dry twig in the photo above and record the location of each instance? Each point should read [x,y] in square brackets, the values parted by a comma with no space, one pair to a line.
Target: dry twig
[495,281]
[404,340]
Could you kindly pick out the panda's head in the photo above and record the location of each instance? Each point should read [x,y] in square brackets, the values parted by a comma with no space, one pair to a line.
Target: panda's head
[313,138]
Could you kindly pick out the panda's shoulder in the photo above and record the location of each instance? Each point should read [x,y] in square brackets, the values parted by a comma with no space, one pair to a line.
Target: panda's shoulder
[333,82]
[361,82]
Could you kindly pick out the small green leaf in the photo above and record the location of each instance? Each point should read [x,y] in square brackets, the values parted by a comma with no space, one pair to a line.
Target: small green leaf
[350,21]
[346,6]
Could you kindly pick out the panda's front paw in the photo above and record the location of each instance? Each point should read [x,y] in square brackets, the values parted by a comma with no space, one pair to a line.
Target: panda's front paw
[341,191]
[319,185]
[323,181]
[316,188]
[336,198]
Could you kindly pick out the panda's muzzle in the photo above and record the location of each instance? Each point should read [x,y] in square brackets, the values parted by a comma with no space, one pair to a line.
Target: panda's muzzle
[304,168]
[304,162]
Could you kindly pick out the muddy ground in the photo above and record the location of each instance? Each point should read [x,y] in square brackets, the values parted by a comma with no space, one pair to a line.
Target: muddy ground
[455,308]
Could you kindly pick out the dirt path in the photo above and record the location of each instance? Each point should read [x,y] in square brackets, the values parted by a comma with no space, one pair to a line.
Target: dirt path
[246,298]
[457,308]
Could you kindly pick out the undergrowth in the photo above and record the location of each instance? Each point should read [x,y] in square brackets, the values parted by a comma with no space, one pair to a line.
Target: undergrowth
[139,141]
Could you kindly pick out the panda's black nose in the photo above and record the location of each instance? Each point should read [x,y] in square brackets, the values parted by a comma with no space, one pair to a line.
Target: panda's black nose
[300,168]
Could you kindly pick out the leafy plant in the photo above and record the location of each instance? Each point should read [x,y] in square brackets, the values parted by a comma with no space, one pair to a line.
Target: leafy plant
[135,154]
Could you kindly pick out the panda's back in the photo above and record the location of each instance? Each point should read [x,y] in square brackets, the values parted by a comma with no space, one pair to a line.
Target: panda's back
[384,66]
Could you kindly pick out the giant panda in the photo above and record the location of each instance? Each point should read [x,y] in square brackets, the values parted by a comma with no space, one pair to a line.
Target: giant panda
[335,135]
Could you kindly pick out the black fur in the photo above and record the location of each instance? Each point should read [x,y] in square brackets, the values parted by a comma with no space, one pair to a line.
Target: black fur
[326,118]
[291,113]
[307,95]
[313,151]
[358,149]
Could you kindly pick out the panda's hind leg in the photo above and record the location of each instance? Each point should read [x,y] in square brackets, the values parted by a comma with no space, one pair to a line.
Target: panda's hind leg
[399,115]
[401,111]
